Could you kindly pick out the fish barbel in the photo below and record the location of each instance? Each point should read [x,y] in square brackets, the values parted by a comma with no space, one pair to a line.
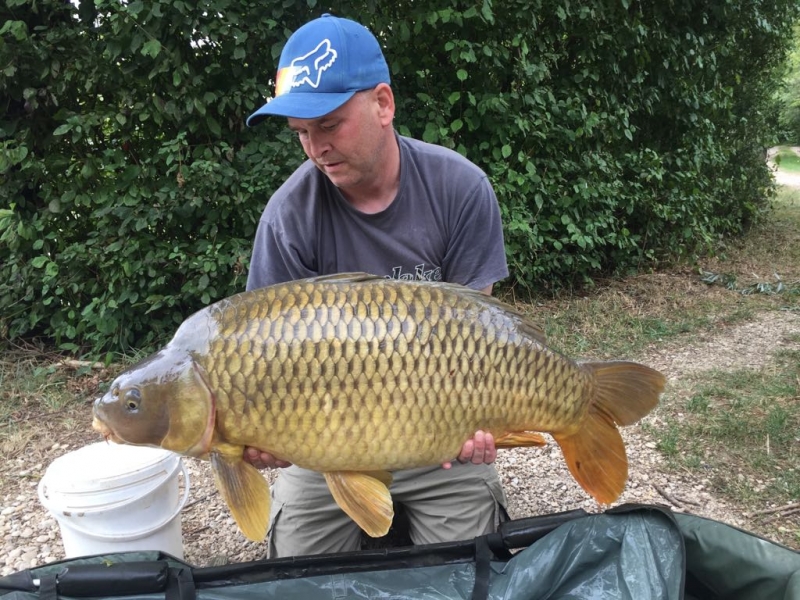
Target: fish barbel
[355,376]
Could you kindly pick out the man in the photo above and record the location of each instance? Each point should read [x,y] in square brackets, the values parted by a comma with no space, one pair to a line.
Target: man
[370,200]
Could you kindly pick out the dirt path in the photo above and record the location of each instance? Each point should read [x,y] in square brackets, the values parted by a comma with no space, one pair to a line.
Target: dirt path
[784,177]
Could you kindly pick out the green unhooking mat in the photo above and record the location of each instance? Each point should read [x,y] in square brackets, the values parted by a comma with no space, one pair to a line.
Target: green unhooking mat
[632,552]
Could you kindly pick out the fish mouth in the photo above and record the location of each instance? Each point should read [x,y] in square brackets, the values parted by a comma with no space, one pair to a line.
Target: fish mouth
[105,431]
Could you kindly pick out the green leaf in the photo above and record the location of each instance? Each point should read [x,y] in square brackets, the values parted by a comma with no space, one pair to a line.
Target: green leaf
[151,48]
[461,74]
[213,125]
[431,134]
[486,11]
[18,29]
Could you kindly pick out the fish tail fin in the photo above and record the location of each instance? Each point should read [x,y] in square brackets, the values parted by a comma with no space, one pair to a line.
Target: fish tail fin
[627,390]
[245,491]
[624,392]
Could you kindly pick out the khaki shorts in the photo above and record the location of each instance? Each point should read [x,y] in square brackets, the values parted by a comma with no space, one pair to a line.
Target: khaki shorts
[442,505]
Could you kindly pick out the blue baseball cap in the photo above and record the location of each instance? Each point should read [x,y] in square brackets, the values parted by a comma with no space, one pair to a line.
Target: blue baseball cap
[322,66]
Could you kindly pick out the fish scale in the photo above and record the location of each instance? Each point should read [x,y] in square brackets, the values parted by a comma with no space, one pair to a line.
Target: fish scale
[356,376]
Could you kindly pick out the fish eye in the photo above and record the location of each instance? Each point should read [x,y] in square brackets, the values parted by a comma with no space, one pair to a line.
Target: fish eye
[132,400]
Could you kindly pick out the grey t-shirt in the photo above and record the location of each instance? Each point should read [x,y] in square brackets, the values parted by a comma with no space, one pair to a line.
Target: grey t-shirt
[443,225]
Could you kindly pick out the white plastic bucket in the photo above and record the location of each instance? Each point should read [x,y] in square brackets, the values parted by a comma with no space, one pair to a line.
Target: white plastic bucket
[115,498]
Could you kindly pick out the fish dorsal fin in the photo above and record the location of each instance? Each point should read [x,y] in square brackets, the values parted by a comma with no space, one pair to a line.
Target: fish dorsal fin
[365,497]
[244,490]
[352,277]
[523,322]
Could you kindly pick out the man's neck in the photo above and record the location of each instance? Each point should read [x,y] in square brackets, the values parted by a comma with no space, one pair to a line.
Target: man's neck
[376,196]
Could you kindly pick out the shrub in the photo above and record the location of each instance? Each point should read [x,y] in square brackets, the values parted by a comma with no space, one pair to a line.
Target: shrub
[617,135]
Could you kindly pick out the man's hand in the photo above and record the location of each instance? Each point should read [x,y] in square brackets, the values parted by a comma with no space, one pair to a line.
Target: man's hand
[263,460]
[479,450]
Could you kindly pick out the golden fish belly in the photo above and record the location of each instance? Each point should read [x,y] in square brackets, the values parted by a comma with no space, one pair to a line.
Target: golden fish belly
[377,376]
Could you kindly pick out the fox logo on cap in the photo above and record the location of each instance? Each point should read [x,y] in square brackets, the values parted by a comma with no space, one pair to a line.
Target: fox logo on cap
[306,69]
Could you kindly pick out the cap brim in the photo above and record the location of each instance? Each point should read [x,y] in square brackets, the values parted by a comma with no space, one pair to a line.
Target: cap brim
[300,105]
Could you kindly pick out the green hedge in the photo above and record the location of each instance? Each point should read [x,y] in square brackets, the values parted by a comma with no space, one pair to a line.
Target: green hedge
[617,135]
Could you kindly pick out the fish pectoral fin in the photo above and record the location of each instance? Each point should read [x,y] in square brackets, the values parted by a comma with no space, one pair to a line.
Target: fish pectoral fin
[245,491]
[595,455]
[365,497]
[520,439]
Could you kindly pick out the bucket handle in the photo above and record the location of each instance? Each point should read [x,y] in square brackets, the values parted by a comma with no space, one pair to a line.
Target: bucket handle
[164,522]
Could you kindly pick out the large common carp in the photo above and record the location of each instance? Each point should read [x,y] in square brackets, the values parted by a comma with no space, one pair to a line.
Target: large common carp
[355,376]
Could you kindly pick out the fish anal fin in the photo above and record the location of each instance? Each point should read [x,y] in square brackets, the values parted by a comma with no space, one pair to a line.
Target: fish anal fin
[383,476]
[595,455]
[520,439]
[245,491]
[365,497]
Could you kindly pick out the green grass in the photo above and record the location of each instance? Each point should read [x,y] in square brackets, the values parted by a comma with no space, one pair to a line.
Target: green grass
[589,331]
[743,428]
[33,385]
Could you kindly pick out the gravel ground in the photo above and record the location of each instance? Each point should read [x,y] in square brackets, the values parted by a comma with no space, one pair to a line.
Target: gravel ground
[536,480]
